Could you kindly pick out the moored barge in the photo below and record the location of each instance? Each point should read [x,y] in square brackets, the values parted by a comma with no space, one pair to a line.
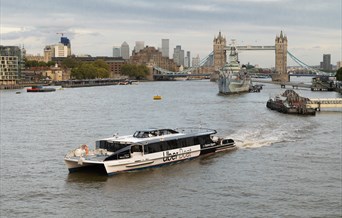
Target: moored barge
[290,103]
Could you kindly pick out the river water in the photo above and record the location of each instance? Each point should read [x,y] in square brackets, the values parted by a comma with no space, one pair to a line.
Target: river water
[285,165]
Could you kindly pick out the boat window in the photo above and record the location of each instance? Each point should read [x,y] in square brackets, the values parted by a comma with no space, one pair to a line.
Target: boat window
[205,140]
[172,144]
[110,146]
[153,148]
[136,148]
[182,143]
[168,145]
[124,155]
[191,141]
[153,133]
[142,134]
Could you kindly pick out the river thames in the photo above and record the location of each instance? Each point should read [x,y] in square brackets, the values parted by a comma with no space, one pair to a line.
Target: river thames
[285,165]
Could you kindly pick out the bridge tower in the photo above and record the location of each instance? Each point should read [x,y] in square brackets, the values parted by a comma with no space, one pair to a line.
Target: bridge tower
[281,59]
[219,44]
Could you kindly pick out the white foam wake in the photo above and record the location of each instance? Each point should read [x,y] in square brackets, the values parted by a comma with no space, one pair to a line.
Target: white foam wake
[257,138]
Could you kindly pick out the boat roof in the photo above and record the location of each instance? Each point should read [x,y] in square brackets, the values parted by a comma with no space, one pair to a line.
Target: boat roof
[151,135]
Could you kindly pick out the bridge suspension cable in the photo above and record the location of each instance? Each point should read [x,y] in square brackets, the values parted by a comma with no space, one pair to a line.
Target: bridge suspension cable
[302,64]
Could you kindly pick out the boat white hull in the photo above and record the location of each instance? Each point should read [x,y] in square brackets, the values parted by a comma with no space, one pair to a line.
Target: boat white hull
[134,163]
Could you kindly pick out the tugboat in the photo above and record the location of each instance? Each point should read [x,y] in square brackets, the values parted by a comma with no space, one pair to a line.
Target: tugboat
[40,89]
[290,103]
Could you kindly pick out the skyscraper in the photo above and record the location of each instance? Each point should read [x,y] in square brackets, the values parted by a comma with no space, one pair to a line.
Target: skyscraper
[116,51]
[326,64]
[125,51]
[139,45]
[188,57]
[60,50]
[165,47]
[178,55]
[66,42]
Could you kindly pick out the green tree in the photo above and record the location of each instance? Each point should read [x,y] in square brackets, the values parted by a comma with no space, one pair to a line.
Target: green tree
[136,71]
[70,62]
[101,64]
[51,63]
[339,74]
[90,70]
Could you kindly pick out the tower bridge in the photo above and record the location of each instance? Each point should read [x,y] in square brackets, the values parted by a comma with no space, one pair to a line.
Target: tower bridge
[220,49]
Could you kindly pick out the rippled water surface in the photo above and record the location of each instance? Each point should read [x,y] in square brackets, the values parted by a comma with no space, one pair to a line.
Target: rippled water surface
[285,166]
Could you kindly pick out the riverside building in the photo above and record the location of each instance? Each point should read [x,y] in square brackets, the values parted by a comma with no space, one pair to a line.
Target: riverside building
[12,61]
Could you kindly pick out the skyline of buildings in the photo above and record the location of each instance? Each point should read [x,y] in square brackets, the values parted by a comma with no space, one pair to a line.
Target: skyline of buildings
[12,57]
[63,49]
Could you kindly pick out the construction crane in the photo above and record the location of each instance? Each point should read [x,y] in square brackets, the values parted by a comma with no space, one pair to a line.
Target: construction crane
[60,34]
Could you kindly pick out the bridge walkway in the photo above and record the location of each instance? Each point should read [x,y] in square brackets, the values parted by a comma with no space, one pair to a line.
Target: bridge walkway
[318,103]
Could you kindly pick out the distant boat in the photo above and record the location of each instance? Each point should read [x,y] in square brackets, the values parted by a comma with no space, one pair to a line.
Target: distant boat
[40,89]
[157,97]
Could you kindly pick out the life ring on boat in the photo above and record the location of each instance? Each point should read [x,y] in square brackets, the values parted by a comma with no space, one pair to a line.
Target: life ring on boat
[85,147]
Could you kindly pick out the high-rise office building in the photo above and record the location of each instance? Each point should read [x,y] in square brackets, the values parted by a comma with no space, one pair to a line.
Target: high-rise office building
[165,47]
[178,55]
[188,59]
[60,50]
[196,61]
[139,45]
[125,51]
[116,51]
[186,62]
[66,42]
[326,64]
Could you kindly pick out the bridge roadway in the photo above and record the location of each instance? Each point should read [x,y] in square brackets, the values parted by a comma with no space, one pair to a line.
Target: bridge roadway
[318,103]
[252,47]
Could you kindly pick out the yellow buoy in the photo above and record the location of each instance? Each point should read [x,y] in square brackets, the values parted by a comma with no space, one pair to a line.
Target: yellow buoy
[157,97]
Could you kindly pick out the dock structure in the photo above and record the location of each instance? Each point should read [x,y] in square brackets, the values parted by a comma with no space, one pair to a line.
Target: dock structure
[284,84]
[318,103]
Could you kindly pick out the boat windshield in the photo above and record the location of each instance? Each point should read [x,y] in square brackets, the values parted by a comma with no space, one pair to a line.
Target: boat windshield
[153,133]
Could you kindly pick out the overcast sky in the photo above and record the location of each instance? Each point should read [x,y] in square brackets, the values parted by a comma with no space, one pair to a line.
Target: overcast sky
[313,27]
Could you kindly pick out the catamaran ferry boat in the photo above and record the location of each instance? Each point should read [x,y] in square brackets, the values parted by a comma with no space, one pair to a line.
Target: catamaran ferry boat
[146,148]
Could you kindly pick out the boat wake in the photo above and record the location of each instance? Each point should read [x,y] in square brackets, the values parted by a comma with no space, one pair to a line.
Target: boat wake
[256,138]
